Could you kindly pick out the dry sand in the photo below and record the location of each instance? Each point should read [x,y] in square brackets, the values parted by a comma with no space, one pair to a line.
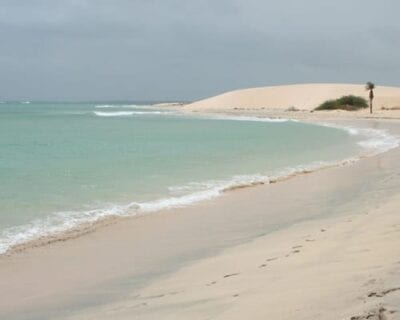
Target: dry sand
[300,96]
[324,245]
[340,268]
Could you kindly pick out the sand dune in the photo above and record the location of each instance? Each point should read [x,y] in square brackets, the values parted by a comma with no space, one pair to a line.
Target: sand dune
[300,96]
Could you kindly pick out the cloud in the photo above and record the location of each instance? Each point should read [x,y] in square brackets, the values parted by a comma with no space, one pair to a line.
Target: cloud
[176,49]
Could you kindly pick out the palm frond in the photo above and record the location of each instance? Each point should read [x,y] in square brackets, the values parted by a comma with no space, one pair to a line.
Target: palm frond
[370,86]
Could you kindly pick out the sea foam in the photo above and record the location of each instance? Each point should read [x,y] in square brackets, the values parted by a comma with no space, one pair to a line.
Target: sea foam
[181,196]
[112,106]
[246,118]
[374,141]
[127,113]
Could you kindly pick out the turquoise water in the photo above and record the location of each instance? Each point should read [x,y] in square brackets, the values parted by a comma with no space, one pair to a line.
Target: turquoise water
[62,164]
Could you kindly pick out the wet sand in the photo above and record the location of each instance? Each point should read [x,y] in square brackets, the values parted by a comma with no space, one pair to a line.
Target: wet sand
[164,265]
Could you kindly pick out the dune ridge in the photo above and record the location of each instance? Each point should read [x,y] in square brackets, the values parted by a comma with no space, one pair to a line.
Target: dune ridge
[299,96]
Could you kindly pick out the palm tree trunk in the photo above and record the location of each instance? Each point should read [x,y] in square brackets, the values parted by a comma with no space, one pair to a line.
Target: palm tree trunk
[371,97]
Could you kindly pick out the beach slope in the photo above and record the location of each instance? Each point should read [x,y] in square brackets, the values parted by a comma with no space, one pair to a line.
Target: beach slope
[337,268]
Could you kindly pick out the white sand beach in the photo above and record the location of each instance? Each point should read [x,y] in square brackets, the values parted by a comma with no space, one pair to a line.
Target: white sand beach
[337,268]
[320,245]
[200,160]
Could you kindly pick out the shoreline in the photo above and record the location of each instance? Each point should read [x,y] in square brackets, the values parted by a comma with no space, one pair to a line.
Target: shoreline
[229,284]
[300,114]
[115,240]
[285,173]
[89,227]
[281,276]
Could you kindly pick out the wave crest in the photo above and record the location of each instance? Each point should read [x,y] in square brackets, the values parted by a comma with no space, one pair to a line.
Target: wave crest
[181,196]
[111,106]
[127,113]
[377,141]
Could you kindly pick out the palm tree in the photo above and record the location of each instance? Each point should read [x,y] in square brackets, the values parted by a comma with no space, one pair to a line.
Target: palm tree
[370,87]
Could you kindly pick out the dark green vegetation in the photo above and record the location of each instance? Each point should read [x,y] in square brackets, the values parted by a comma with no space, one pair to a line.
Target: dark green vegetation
[349,103]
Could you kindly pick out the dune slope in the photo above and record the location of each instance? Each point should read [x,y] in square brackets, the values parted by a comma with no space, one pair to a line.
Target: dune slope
[300,96]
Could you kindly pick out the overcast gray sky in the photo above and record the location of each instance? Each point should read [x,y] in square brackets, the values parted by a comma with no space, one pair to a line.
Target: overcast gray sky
[188,49]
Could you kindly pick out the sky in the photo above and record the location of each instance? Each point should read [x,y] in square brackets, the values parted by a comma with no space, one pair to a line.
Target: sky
[190,49]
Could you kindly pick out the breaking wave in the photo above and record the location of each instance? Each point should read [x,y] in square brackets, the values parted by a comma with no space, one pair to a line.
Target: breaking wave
[374,141]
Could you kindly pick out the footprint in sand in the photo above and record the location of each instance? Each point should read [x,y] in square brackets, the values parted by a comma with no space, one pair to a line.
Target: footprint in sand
[231,275]
[161,295]
[155,296]
[211,283]
[292,253]
[375,314]
[272,259]
[383,293]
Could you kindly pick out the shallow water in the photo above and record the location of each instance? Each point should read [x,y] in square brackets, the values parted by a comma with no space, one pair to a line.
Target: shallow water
[62,164]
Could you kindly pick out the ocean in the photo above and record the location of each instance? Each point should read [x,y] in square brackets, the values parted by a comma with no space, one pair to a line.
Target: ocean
[65,164]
